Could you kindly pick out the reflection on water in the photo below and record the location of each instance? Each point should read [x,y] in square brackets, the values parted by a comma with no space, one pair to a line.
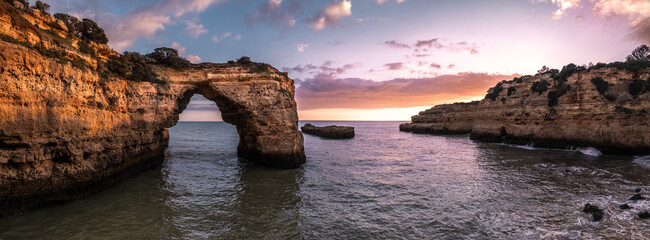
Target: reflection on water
[381,184]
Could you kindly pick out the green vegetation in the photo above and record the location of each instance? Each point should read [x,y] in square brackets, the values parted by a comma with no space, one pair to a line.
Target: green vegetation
[40,5]
[9,39]
[132,66]
[84,47]
[601,87]
[641,53]
[169,57]
[85,29]
[638,87]
[244,60]
[511,90]
[492,95]
[540,86]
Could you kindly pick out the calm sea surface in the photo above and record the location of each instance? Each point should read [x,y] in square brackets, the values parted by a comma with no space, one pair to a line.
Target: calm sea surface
[383,184]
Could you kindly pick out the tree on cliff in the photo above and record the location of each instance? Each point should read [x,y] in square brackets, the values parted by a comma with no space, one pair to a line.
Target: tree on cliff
[169,57]
[40,5]
[85,29]
[641,53]
[89,30]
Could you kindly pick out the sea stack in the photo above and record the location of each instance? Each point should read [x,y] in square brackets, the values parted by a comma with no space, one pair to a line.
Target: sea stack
[336,132]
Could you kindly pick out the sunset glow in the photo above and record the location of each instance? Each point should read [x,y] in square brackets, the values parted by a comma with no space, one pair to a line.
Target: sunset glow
[378,60]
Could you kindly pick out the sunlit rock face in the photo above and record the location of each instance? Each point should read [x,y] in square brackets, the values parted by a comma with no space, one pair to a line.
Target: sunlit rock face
[614,121]
[66,132]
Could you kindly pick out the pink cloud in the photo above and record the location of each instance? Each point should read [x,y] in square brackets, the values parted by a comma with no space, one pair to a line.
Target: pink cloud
[331,15]
[327,91]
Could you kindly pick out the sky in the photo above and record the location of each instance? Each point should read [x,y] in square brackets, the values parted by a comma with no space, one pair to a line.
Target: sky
[376,59]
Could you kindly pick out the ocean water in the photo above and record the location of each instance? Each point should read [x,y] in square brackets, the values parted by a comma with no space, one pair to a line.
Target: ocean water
[383,184]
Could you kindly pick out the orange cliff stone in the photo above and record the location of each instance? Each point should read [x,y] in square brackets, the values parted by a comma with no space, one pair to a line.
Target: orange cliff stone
[614,121]
[67,132]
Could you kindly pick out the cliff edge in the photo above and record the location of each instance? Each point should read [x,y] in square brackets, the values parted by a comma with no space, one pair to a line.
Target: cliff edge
[77,116]
[604,106]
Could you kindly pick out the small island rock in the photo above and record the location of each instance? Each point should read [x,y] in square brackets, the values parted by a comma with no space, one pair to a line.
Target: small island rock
[338,132]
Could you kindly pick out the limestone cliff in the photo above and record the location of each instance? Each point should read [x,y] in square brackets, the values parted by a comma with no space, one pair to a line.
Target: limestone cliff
[66,131]
[605,107]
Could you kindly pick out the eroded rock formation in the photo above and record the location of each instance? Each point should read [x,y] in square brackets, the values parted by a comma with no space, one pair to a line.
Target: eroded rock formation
[66,131]
[606,108]
[333,131]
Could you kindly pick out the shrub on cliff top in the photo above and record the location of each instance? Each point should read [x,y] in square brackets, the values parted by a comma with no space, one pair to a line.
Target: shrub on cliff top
[244,60]
[40,5]
[540,86]
[89,30]
[492,95]
[641,53]
[169,57]
[567,71]
[138,67]
[85,29]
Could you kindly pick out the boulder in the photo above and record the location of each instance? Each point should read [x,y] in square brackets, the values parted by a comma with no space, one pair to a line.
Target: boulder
[337,132]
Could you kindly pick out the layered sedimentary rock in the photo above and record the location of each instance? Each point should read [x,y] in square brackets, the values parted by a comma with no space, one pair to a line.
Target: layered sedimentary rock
[606,108]
[66,131]
[337,132]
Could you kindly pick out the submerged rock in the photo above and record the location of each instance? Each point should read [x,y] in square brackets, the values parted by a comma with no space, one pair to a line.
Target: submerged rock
[625,206]
[339,132]
[596,213]
[638,190]
[644,215]
[637,197]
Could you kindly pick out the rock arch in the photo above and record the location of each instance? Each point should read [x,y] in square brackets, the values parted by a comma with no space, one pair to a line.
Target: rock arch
[263,112]
[66,132]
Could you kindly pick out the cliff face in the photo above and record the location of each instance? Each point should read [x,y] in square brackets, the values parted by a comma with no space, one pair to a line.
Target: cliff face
[606,108]
[66,132]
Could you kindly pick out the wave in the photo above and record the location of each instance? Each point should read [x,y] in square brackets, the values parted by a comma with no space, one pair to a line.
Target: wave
[589,151]
[642,160]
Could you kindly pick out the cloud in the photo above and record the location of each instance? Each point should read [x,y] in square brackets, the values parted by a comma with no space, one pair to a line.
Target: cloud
[451,66]
[328,91]
[394,66]
[144,22]
[331,15]
[275,13]
[232,36]
[335,43]
[395,44]
[428,45]
[327,68]
[636,11]
[302,46]
[195,29]
[200,103]
[182,51]
[435,65]
[383,1]
[193,58]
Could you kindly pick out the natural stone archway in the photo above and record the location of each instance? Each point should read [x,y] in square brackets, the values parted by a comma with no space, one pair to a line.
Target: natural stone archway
[65,132]
[262,109]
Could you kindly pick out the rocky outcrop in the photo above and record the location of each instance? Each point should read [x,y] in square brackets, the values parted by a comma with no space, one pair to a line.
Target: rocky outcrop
[602,107]
[338,132]
[66,131]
